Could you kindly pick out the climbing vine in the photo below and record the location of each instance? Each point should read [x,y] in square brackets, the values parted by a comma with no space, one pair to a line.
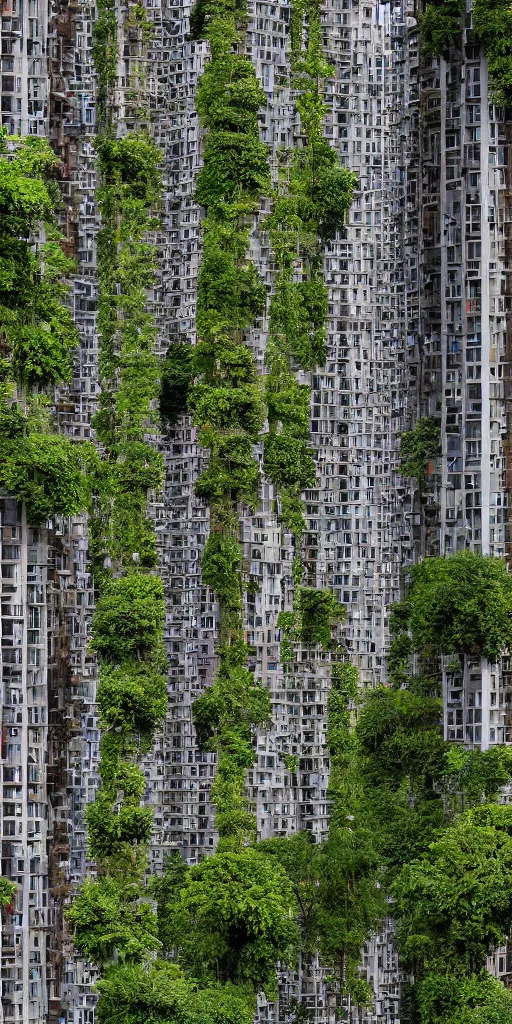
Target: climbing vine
[311,200]
[226,398]
[46,471]
[113,916]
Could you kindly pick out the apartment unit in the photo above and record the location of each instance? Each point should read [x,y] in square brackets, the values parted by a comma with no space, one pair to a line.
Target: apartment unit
[418,299]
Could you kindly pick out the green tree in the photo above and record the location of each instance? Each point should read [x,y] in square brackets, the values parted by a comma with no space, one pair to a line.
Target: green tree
[440,25]
[460,604]
[165,889]
[131,696]
[112,919]
[301,858]
[401,737]
[234,919]
[175,380]
[352,903]
[455,903]
[473,999]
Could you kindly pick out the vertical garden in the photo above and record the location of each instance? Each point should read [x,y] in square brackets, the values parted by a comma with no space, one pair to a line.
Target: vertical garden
[416,829]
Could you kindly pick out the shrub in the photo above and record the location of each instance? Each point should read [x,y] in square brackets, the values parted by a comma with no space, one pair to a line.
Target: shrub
[228,293]
[418,446]
[440,24]
[234,165]
[129,618]
[48,473]
[7,892]
[159,992]
[333,192]
[229,95]
[228,407]
[234,700]
[455,903]
[131,696]
[109,829]
[319,609]
[233,471]
[132,161]
[138,468]
[221,568]
[492,22]
[110,917]
[288,461]
[121,776]
[288,403]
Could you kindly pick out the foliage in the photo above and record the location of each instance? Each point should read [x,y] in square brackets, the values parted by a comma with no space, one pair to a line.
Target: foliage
[400,649]
[460,604]
[104,51]
[301,858]
[221,562]
[229,95]
[288,403]
[119,775]
[234,163]
[113,918]
[165,889]
[226,406]
[129,618]
[313,195]
[132,161]
[455,903]
[291,762]
[418,446]
[400,734]
[440,24]
[288,460]
[110,919]
[112,827]
[234,919]
[492,23]
[47,472]
[37,327]
[206,14]
[230,292]
[232,472]
[131,696]
[7,892]
[234,702]
[318,610]
[175,380]
[351,903]
[161,994]
[478,999]
[478,774]
[138,468]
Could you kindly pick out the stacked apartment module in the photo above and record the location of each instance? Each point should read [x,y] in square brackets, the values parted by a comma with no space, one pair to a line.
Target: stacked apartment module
[456,231]
[418,299]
